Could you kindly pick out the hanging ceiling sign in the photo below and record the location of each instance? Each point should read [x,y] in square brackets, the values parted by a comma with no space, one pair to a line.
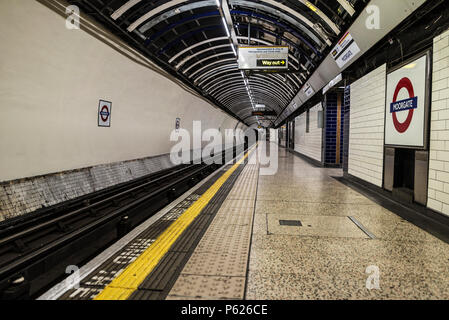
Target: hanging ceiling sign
[345,50]
[264,113]
[406,108]
[269,58]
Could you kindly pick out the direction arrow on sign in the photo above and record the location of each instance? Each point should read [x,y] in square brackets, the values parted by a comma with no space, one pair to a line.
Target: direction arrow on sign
[271,63]
[263,58]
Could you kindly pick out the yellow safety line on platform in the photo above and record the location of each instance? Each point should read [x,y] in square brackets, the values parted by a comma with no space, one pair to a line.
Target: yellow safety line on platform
[129,280]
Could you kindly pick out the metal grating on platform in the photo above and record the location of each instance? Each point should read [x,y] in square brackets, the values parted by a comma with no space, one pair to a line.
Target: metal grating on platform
[291,223]
[317,226]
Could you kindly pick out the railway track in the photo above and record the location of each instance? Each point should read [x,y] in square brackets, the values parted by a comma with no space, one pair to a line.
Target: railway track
[36,249]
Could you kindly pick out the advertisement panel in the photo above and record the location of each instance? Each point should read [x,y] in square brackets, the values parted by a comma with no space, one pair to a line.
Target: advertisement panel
[406,105]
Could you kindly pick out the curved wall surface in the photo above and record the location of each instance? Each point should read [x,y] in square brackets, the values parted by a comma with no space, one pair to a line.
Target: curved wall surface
[51,81]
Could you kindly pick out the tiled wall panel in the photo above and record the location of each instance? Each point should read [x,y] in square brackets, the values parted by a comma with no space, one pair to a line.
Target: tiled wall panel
[439,128]
[366,137]
[332,129]
[309,144]
[27,195]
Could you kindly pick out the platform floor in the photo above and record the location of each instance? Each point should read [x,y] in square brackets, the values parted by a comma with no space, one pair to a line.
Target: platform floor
[297,234]
[328,257]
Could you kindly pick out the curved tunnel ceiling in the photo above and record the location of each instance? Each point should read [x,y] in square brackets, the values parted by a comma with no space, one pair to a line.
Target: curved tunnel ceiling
[189,40]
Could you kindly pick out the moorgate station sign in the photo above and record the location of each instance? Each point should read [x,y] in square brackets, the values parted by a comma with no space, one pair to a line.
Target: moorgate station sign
[406,109]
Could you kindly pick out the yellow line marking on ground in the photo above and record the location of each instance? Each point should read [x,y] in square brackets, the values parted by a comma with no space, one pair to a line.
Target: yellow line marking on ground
[132,276]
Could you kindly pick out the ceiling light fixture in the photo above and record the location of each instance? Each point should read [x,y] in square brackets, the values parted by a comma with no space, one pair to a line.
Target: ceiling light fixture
[233,49]
[226,27]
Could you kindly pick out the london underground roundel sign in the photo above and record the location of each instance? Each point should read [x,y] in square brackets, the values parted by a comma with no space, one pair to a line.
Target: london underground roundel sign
[406,102]
[104,113]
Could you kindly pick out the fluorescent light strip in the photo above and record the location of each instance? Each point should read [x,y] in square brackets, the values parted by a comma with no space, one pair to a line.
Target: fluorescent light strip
[152,13]
[120,11]
[248,89]
[233,49]
[347,6]
[226,27]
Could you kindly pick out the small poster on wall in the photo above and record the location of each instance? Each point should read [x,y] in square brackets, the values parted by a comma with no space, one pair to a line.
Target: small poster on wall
[104,113]
[406,106]
[178,124]
[345,50]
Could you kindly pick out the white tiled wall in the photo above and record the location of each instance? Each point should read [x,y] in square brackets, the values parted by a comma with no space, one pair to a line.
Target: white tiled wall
[439,128]
[366,139]
[309,144]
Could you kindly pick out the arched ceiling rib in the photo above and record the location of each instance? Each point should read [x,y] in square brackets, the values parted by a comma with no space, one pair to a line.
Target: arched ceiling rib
[279,96]
[188,39]
[234,95]
[272,82]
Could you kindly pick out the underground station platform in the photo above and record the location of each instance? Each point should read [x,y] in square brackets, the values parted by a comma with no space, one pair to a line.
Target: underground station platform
[224,158]
[239,235]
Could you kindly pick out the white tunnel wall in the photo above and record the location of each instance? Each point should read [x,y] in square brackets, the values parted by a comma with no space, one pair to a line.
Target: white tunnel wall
[51,81]
[366,139]
[309,143]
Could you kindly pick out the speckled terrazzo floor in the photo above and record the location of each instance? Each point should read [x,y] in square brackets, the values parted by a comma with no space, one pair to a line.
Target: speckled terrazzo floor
[328,256]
